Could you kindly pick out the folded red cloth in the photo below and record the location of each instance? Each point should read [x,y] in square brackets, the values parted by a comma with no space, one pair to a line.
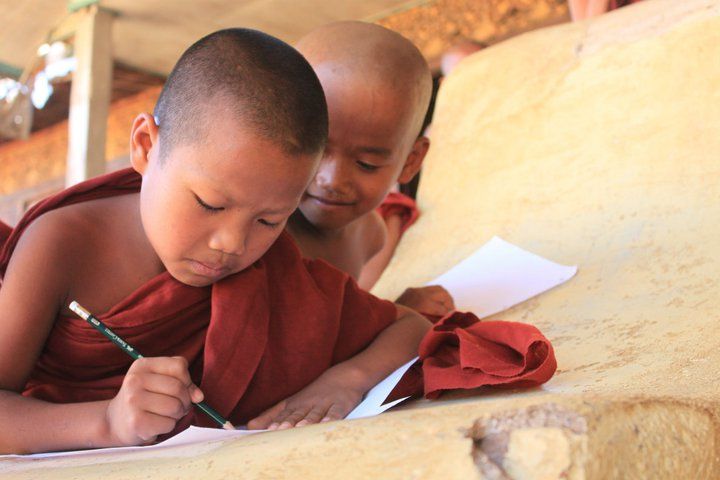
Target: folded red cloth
[461,352]
[398,204]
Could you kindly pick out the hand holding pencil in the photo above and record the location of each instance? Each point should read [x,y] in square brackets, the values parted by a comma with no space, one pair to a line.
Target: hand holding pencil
[156,392]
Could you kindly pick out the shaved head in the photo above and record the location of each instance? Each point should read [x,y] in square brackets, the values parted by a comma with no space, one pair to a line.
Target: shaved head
[381,58]
[259,79]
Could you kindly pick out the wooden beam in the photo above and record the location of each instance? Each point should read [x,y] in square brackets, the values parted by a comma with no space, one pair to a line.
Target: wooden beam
[90,96]
[10,71]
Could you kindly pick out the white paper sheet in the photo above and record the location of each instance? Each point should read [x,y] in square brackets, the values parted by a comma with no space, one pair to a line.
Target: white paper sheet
[370,406]
[373,403]
[496,277]
[500,275]
[189,436]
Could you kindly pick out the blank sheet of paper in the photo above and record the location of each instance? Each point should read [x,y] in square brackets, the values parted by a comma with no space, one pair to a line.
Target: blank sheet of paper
[496,277]
[499,275]
[190,436]
[373,403]
[370,406]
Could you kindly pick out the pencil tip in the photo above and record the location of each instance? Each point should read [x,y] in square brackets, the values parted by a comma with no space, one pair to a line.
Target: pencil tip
[228,426]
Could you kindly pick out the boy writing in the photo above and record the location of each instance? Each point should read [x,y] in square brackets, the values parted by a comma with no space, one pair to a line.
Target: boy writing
[184,257]
[377,99]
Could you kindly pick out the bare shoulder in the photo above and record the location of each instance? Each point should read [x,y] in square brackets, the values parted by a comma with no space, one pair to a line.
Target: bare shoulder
[61,243]
[375,233]
[60,233]
[34,288]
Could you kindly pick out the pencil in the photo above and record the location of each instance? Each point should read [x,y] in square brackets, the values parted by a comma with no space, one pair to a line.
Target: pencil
[130,350]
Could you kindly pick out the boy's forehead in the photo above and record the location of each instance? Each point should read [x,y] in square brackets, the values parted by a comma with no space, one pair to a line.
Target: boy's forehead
[366,89]
[242,165]
[362,105]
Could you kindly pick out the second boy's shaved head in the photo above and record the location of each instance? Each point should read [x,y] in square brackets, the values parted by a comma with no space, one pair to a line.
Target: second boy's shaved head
[380,57]
[261,80]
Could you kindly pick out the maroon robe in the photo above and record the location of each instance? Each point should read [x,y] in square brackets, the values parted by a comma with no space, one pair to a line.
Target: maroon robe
[399,204]
[251,339]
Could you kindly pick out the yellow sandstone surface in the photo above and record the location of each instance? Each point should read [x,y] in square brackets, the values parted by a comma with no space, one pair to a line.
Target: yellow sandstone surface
[596,144]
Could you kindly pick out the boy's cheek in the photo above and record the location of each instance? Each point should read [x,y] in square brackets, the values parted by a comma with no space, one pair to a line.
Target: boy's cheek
[258,245]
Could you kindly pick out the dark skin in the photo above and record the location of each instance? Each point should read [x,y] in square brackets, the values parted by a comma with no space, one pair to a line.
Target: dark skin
[372,146]
[203,213]
[348,249]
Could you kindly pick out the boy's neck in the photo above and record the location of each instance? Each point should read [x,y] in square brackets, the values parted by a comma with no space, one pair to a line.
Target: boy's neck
[128,225]
[298,223]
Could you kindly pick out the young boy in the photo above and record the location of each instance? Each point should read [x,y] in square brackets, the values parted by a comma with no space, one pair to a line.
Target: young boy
[185,259]
[377,99]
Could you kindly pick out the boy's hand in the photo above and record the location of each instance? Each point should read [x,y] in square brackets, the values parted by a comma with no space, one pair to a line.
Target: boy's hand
[330,397]
[154,395]
[432,300]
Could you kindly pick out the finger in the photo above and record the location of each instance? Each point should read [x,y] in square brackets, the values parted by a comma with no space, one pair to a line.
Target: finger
[289,417]
[264,420]
[434,290]
[433,308]
[449,303]
[166,385]
[316,414]
[172,366]
[158,404]
[176,367]
[335,412]
[147,425]
[446,299]
[437,292]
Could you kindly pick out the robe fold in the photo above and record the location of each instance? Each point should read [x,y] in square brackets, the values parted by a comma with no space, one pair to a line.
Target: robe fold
[399,204]
[5,231]
[251,339]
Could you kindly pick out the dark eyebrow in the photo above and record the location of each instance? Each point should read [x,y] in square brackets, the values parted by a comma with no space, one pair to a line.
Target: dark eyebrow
[379,151]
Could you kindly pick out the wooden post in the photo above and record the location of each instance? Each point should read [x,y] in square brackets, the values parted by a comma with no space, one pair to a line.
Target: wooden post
[90,96]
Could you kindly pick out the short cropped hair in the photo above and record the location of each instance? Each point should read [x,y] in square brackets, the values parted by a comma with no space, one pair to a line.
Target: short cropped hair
[265,82]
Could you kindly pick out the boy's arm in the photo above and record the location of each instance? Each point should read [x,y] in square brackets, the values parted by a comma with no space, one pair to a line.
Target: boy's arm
[337,391]
[33,290]
[394,346]
[30,297]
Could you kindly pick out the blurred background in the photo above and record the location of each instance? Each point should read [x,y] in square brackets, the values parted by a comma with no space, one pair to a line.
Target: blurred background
[74,74]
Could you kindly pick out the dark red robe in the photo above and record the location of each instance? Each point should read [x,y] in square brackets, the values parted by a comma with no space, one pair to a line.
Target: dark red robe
[252,339]
[399,204]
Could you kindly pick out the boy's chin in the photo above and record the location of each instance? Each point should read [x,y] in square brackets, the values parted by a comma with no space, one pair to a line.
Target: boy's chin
[327,222]
[193,279]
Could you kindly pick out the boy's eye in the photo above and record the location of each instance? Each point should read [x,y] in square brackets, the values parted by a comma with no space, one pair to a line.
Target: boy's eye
[268,224]
[207,207]
[369,167]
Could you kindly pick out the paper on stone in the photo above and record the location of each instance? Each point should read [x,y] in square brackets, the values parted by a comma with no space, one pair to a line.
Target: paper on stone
[370,406]
[373,403]
[496,277]
[500,275]
[192,435]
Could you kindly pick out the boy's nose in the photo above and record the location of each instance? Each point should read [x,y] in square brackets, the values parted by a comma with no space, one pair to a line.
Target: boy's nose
[332,175]
[230,240]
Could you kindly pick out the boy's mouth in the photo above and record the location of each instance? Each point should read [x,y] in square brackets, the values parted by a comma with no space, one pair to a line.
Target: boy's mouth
[209,269]
[329,202]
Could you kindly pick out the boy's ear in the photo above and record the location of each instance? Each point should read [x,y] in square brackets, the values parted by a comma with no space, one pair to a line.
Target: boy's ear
[143,138]
[415,159]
